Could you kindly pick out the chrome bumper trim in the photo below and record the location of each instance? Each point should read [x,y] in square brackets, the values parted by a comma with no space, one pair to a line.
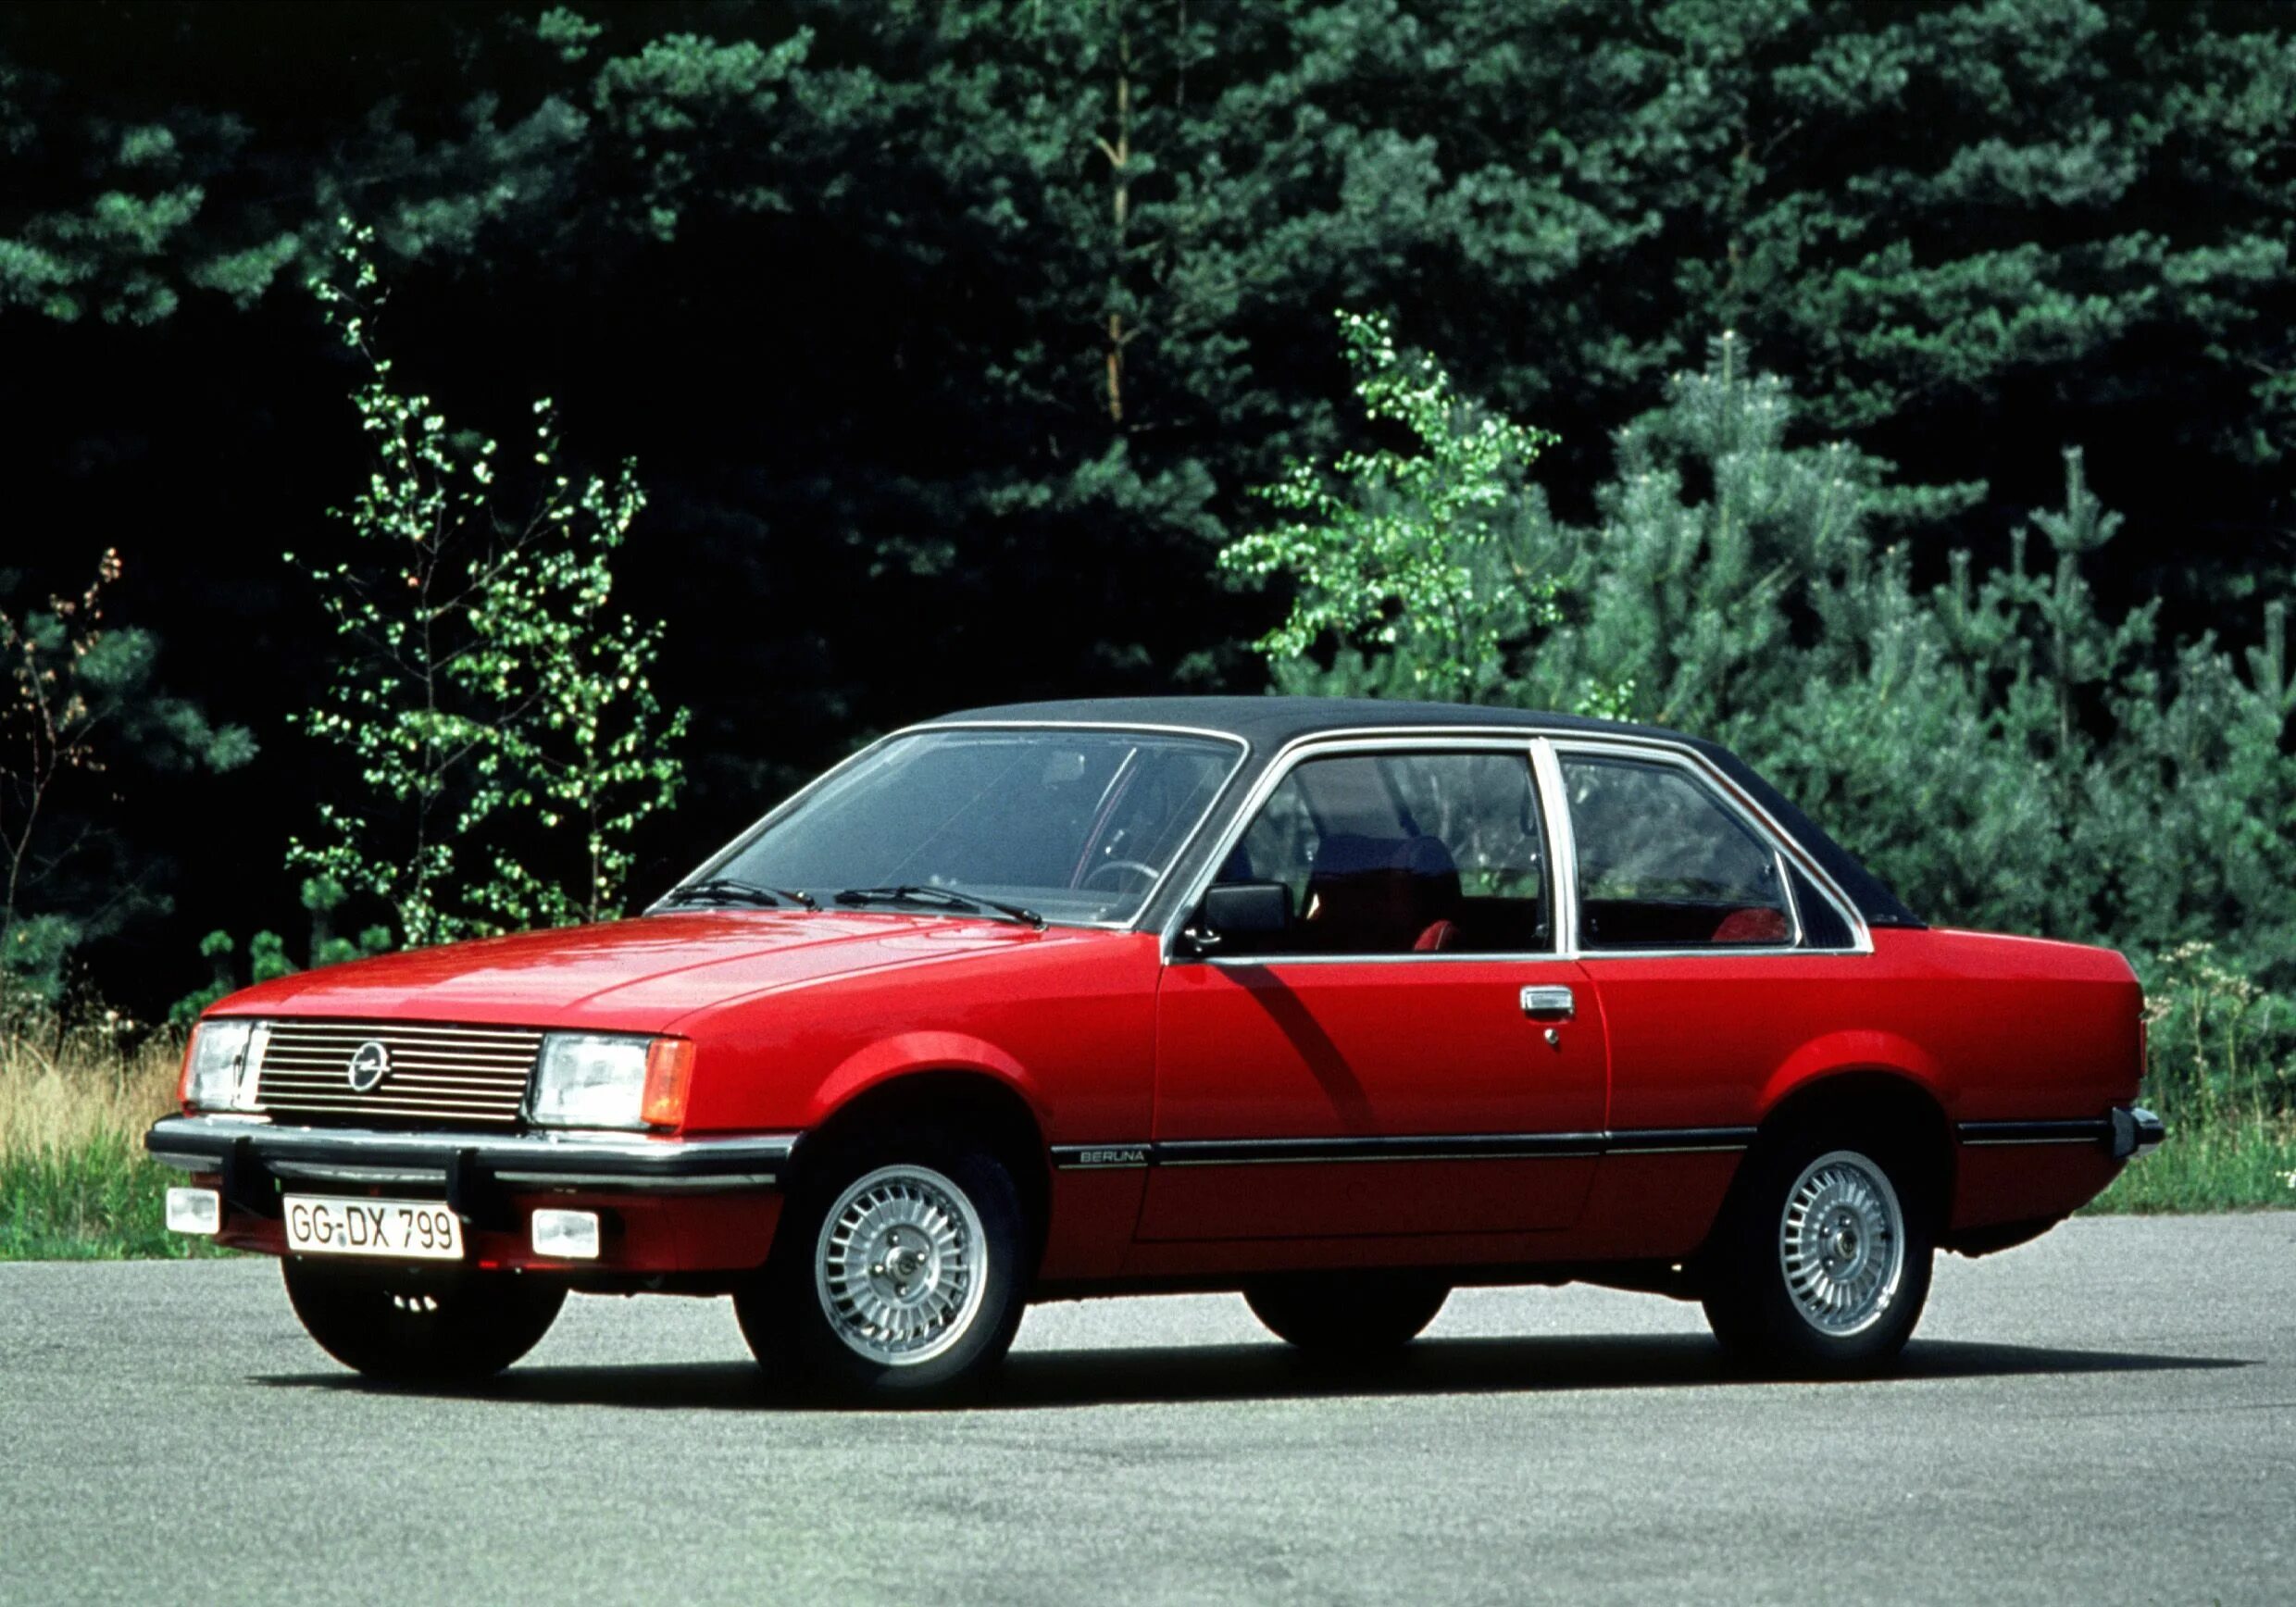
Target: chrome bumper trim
[368,1155]
[2125,1132]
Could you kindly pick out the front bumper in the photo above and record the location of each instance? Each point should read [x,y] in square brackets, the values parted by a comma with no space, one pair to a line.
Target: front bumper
[253,1157]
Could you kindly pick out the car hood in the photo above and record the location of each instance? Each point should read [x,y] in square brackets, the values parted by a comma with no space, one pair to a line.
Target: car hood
[638,975]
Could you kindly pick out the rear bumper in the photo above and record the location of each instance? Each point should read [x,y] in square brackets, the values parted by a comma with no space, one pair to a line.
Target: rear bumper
[2122,1132]
[367,1157]
[2136,1131]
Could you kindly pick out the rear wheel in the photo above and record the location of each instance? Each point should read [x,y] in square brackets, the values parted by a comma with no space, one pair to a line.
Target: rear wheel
[1822,1264]
[424,1327]
[897,1273]
[1349,1313]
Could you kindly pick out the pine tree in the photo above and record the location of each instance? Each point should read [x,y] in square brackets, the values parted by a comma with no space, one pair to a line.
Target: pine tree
[989,314]
[2003,749]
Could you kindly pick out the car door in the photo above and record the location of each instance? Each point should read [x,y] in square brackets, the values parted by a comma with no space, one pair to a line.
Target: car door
[1411,1055]
[1715,954]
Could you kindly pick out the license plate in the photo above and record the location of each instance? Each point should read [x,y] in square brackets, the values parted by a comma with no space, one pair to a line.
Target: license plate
[399,1229]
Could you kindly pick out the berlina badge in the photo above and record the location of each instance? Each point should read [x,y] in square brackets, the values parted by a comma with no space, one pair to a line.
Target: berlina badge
[371,1063]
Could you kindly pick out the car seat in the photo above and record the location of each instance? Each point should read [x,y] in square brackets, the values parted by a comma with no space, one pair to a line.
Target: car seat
[1372,895]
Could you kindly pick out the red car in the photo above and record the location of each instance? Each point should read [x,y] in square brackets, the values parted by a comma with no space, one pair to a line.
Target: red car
[1337,1003]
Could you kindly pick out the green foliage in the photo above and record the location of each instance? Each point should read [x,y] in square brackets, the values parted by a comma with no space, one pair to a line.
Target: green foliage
[2219,1044]
[2089,182]
[993,311]
[80,712]
[2003,751]
[2223,1075]
[1383,542]
[500,715]
[2000,748]
[266,951]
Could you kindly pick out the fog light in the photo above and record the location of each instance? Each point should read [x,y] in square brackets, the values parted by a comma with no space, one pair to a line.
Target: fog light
[195,1211]
[566,1235]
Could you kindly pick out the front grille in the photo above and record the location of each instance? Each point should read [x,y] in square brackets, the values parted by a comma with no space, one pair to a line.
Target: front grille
[468,1075]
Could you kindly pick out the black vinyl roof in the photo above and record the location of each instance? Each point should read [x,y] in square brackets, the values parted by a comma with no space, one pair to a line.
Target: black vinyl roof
[1268,723]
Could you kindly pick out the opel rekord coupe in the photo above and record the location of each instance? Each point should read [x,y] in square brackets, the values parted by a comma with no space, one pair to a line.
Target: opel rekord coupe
[1339,1004]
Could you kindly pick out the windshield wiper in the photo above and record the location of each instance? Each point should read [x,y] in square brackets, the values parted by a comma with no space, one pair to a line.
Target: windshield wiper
[725,889]
[940,898]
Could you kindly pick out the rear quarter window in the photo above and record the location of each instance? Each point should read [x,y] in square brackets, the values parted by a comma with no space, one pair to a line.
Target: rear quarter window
[1663,863]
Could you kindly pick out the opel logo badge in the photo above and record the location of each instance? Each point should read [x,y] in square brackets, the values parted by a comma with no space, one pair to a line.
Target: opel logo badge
[371,1063]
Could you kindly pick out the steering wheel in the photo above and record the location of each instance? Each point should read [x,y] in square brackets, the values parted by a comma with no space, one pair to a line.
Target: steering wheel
[1145,872]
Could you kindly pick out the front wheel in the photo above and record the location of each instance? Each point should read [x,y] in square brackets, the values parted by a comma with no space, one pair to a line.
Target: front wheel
[1347,1314]
[897,1273]
[1822,1264]
[421,1327]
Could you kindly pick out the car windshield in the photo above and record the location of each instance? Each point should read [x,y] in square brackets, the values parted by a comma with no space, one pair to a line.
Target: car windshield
[1076,826]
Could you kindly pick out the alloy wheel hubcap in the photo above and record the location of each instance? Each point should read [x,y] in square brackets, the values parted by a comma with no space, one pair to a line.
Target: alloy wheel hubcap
[1842,1243]
[902,1265]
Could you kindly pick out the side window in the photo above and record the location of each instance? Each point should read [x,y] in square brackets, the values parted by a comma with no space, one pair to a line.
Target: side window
[1663,863]
[1401,854]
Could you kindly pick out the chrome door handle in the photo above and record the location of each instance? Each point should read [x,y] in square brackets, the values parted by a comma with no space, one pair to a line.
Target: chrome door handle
[1550,1002]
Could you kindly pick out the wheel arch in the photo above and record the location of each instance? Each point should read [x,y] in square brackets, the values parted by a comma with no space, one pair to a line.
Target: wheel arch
[1853,1097]
[1902,1105]
[942,1096]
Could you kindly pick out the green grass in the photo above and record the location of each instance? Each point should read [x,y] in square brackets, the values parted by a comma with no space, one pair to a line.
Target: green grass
[75,1184]
[103,1201]
[2213,1161]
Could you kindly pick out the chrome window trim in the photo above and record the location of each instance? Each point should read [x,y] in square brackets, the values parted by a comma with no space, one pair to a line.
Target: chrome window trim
[1338,745]
[1793,901]
[1545,747]
[742,839]
[1556,801]
[1750,813]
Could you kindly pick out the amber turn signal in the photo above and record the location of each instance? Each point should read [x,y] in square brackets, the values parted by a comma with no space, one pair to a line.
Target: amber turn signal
[670,1078]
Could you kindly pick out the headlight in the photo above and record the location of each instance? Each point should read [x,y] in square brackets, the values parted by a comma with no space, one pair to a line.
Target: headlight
[222,1065]
[591,1079]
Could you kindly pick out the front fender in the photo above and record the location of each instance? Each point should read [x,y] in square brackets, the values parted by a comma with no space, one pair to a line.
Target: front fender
[889,1058]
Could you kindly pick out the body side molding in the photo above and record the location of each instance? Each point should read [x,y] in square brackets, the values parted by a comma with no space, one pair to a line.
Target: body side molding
[1350,1148]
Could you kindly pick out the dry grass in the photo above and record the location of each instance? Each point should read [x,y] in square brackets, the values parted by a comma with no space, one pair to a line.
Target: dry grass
[74,1180]
[63,1096]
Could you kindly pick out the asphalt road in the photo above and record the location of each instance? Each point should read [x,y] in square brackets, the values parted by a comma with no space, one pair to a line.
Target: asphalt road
[2109,1415]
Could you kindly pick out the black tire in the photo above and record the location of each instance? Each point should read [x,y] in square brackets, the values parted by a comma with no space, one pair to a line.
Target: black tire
[805,1334]
[421,1327]
[1751,1302]
[1352,1316]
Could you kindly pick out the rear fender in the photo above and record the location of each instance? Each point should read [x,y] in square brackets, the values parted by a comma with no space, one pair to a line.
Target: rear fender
[1859,1051]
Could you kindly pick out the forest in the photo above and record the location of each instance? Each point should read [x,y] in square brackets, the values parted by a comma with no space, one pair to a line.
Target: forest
[1907,395]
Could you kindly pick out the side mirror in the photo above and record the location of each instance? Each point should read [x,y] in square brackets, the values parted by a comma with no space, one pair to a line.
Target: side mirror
[1238,909]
